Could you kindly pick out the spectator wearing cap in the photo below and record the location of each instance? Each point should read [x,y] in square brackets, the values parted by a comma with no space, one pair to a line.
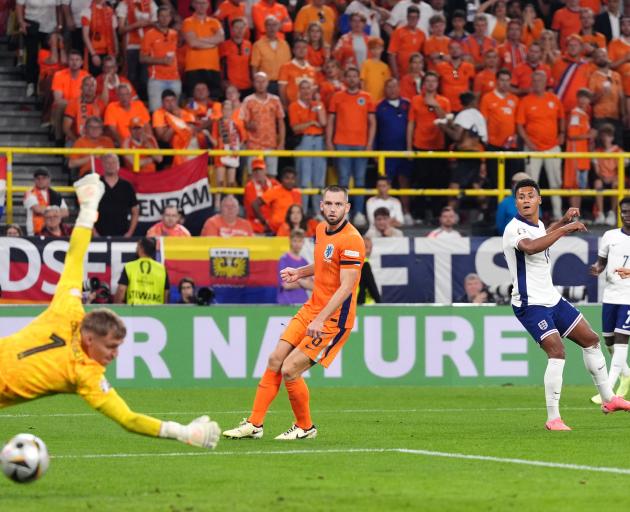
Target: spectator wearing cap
[448,220]
[279,199]
[404,42]
[236,55]
[80,109]
[119,114]
[352,48]
[263,116]
[175,126]
[53,227]
[227,223]
[93,138]
[139,138]
[169,225]
[265,9]
[118,210]
[135,18]
[203,36]
[293,72]
[383,227]
[506,210]
[374,72]
[257,185]
[307,117]
[159,51]
[269,53]
[38,199]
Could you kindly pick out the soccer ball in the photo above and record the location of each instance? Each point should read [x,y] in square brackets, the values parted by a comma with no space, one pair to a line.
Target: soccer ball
[24,458]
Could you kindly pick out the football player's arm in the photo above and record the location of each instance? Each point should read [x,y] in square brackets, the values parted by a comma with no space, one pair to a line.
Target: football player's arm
[570,215]
[529,246]
[292,275]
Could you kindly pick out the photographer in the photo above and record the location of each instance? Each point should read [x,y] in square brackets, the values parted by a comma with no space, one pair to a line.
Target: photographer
[204,296]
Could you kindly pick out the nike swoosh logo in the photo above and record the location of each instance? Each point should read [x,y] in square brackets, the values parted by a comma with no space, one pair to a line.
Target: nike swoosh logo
[302,437]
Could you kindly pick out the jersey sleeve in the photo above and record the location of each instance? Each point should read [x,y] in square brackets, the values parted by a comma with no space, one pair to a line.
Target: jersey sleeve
[352,253]
[604,246]
[93,387]
[515,233]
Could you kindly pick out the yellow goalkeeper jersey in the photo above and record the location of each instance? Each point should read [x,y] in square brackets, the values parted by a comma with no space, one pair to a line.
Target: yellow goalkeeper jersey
[46,356]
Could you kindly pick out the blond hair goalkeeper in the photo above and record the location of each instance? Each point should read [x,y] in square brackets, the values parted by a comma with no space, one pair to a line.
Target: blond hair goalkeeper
[65,350]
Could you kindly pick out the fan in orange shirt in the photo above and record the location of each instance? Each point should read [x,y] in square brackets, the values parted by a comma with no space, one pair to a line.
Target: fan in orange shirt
[293,72]
[331,82]
[591,39]
[296,219]
[227,223]
[99,34]
[169,225]
[175,126]
[80,109]
[435,48]
[478,43]
[405,41]
[140,139]
[512,52]
[486,79]
[571,73]
[580,137]
[455,75]
[566,21]
[108,81]
[411,83]
[422,133]
[257,185]
[522,74]
[119,114]
[262,9]
[316,12]
[279,199]
[321,327]
[236,54]
[619,53]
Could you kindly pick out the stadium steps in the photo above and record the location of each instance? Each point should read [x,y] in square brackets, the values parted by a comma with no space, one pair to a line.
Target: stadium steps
[20,126]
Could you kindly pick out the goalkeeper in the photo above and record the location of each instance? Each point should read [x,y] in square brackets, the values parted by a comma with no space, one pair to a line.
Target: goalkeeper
[65,350]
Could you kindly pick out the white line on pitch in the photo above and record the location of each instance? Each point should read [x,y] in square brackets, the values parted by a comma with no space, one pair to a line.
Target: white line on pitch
[409,451]
[323,411]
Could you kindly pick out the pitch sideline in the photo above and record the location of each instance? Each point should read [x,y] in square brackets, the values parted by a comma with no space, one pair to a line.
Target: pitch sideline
[408,451]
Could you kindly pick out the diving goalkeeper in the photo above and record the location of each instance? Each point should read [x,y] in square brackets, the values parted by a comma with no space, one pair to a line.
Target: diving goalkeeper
[65,350]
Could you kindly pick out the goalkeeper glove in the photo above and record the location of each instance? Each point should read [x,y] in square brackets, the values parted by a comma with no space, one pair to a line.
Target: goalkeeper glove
[199,432]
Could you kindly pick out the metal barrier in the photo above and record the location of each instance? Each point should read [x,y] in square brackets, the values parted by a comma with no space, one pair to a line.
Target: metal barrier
[380,156]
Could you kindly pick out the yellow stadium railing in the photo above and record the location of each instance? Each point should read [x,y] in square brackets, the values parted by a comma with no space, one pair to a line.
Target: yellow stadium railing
[379,156]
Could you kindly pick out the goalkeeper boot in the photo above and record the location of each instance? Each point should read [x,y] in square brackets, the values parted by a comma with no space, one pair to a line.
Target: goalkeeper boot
[244,430]
[624,386]
[596,399]
[556,424]
[296,432]
[616,404]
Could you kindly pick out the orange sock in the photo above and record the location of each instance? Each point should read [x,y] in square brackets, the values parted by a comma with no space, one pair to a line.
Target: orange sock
[267,390]
[299,397]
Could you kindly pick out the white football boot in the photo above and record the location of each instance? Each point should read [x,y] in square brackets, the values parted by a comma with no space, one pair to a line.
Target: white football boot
[296,432]
[244,430]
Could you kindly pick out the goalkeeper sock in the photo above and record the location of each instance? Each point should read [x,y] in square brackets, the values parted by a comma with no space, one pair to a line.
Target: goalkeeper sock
[265,393]
[299,398]
[553,387]
[619,356]
[596,365]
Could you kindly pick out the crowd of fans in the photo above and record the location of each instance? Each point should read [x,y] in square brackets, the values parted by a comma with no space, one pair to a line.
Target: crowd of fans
[545,76]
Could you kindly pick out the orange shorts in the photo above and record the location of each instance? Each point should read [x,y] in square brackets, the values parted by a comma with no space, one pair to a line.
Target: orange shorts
[320,350]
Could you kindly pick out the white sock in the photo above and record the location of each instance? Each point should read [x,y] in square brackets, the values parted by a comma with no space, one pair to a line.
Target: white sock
[553,387]
[619,357]
[596,365]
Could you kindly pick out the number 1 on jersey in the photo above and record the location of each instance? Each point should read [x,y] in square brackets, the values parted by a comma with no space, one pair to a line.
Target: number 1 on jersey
[56,342]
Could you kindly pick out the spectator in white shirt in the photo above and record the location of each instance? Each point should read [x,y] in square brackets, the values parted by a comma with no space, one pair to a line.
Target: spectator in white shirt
[383,198]
[382,227]
[448,221]
[374,14]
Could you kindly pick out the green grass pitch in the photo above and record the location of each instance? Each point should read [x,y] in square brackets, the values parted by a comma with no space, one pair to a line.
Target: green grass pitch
[380,448]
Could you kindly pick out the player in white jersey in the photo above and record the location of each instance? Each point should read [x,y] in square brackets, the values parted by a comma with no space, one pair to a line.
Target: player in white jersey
[540,308]
[613,254]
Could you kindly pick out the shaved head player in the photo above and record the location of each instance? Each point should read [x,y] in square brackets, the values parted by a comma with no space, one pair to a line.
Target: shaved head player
[321,327]
[65,350]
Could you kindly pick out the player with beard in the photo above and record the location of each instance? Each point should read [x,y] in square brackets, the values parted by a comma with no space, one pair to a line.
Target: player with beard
[317,332]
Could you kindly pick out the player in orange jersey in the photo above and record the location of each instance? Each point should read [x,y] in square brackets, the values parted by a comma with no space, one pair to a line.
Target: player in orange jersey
[65,350]
[321,327]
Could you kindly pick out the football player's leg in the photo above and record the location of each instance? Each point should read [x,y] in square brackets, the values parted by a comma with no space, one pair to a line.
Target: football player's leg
[553,347]
[89,190]
[292,369]
[619,361]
